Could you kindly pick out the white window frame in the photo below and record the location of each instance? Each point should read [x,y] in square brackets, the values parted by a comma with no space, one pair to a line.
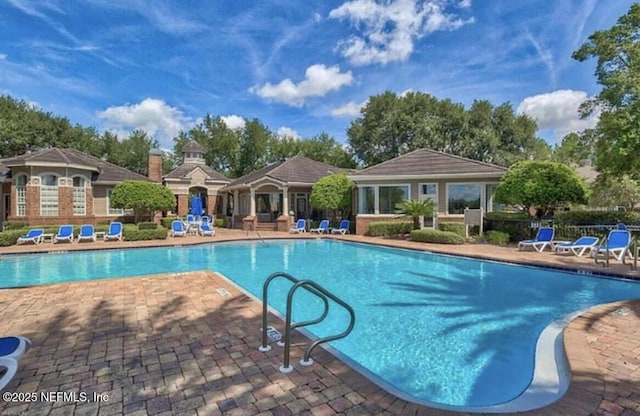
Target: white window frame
[49,197]
[115,212]
[79,196]
[21,196]
[483,194]
[432,197]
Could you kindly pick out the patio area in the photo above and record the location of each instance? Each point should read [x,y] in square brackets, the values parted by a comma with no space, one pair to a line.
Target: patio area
[186,344]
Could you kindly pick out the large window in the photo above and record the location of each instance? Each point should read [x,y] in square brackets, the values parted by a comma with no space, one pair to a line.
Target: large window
[463,195]
[79,196]
[21,195]
[381,199]
[429,191]
[49,196]
[390,196]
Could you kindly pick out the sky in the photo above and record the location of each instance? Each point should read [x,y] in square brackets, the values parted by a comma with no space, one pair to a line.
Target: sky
[301,67]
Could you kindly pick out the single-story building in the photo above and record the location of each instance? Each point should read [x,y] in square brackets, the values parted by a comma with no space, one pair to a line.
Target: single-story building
[55,185]
[271,197]
[452,182]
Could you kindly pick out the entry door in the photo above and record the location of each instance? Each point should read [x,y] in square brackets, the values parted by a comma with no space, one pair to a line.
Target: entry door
[301,206]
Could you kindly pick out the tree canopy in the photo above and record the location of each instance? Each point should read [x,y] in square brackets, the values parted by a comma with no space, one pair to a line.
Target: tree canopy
[391,125]
[333,192]
[144,197]
[617,69]
[541,184]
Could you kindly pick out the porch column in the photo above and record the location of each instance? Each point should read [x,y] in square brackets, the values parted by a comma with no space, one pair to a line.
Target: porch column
[224,204]
[252,207]
[236,202]
[285,201]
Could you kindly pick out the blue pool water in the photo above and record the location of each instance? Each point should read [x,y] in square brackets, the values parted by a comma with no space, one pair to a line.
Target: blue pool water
[443,329]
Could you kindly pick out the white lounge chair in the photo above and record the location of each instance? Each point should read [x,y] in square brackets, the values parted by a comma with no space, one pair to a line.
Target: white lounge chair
[87,232]
[579,247]
[301,227]
[206,229]
[178,229]
[323,227]
[11,351]
[33,236]
[65,233]
[114,232]
[616,244]
[342,229]
[543,239]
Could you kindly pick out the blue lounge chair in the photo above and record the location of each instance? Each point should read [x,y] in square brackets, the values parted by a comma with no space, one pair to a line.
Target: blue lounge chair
[578,247]
[301,226]
[114,232]
[543,239]
[65,233]
[87,232]
[342,229]
[206,229]
[616,244]
[322,228]
[33,236]
[11,350]
[178,229]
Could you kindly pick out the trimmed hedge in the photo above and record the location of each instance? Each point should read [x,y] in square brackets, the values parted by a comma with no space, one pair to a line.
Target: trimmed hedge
[166,221]
[428,235]
[147,226]
[14,225]
[138,235]
[497,237]
[10,237]
[390,228]
[453,227]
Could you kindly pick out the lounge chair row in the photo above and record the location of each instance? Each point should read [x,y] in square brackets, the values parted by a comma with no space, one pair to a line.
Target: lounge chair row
[616,244]
[12,349]
[181,229]
[323,227]
[65,233]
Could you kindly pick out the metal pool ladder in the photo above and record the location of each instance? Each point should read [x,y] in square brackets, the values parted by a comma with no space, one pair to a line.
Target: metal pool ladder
[319,291]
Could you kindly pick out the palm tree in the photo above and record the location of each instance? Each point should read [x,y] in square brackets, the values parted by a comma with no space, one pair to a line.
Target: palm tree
[415,209]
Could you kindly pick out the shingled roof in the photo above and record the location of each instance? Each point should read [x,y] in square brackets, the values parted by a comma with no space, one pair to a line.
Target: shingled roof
[427,162]
[105,172]
[298,169]
[185,169]
[193,146]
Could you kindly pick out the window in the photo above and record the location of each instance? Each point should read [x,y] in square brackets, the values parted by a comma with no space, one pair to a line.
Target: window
[491,204]
[21,195]
[49,196]
[461,196]
[429,191]
[79,196]
[389,196]
[366,200]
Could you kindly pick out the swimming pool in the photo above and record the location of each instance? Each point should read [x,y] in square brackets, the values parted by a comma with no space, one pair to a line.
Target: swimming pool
[441,330]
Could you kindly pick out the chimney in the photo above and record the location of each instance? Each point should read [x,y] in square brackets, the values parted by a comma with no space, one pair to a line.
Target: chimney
[155,165]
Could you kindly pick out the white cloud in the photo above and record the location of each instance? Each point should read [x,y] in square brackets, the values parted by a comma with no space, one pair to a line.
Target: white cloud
[350,109]
[558,111]
[157,118]
[3,56]
[287,132]
[234,122]
[390,28]
[318,81]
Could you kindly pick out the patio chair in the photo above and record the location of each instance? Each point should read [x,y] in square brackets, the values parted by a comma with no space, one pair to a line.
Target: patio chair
[178,229]
[616,244]
[544,239]
[87,232]
[579,247]
[65,233]
[114,232]
[342,229]
[11,350]
[206,229]
[33,236]
[323,227]
[301,227]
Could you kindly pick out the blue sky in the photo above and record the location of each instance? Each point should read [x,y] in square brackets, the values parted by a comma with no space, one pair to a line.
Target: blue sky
[300,67]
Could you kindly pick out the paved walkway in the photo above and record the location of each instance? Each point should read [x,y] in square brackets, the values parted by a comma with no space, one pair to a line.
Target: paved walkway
[175,344]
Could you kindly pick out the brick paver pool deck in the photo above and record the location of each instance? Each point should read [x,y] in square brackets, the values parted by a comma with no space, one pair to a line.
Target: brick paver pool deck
[173,344]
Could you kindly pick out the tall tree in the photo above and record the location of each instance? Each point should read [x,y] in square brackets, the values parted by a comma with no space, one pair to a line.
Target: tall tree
[617,70]
[253,148]
[136,151]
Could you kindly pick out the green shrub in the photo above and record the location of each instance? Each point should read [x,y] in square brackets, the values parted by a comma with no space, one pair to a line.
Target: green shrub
[497,237]
[10,237]
[132,234]
[453,227]
[428,235]
[220,222]
[14,225]
[147,226]
[390,228]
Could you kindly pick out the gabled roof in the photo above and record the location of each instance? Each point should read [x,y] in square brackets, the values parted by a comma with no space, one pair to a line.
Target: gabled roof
[427,162]
[298,169]
[104,171]
[182,172]
[193,146]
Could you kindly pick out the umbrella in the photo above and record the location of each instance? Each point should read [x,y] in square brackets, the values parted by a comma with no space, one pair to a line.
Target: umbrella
[195,206]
